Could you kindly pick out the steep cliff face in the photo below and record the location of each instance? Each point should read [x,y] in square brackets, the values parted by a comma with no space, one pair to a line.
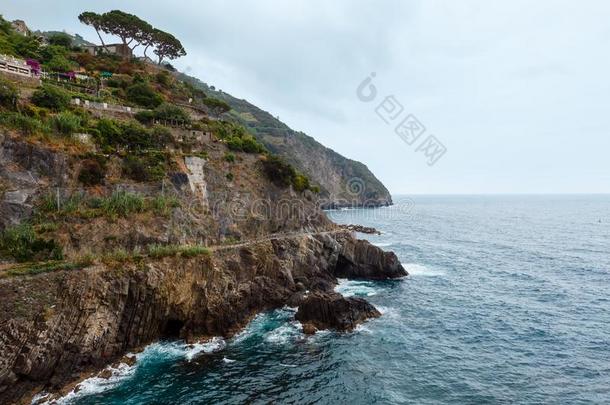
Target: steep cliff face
[344,182]
[79,321]
[210,208]
[90,272]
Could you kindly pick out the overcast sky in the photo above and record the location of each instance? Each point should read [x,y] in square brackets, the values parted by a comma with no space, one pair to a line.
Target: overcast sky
[517,91]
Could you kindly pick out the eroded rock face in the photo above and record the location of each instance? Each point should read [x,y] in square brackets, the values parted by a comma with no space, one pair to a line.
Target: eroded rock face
[83,320]
[333,311]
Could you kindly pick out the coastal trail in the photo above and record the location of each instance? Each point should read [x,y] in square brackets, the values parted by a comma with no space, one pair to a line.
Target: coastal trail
[270,237]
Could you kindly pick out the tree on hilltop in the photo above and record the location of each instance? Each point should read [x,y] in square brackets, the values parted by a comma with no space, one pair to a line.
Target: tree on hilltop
[133,32]
[167,46]
[93,20]
[130,28]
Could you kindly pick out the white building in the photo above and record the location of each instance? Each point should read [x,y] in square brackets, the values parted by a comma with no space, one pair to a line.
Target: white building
[11,65]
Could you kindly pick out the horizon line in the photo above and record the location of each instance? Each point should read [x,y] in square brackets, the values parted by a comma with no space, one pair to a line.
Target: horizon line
[503,194]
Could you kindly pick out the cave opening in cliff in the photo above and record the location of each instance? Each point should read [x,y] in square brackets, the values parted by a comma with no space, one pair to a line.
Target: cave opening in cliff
[343,266]
[172,329]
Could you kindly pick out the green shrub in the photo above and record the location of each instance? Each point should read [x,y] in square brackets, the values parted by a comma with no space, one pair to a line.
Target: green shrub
[92,172]
[143,94]
[51,97]
[162,205]
[111,135]
[216,106]
[161,251]
[6,27]
[145,167]
[278,171]
[66,123]
[282,174]
[26,125]
[135,169]
[61,39]
[118,82]
[145,116]
[164,112]
[8,94]
[169,112]
[237,137]
[59,64]
[134,136]
[25,46]
[234,143]
[122,204]
[193,251]
[21,243]
[35,112]
[226,130]
[46,227]
[300,183]
[40,268]
[67,206]
[230,157]
[161,137]
[230,176]
[119,255]
[164,78]
[108,134]
[118,204]
[53,51]
[251,145]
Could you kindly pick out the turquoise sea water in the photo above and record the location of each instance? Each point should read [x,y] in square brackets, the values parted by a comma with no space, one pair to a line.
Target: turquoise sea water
[508,301]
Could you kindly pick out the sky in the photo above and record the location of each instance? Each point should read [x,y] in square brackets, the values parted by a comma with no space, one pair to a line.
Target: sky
[517,92]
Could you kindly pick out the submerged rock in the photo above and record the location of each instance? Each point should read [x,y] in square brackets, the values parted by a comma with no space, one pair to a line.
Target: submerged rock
[333,311]
[309,329]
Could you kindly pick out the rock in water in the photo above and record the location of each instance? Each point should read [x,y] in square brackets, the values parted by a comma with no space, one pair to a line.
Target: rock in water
[359,259]
[333,311]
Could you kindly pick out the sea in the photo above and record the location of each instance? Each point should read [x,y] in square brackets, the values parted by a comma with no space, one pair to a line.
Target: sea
[507,301]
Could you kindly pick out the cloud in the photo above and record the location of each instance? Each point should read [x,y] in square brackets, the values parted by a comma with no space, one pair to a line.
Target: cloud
[517,90]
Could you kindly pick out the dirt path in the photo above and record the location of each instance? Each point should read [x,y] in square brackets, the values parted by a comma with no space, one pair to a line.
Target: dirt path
[269,238]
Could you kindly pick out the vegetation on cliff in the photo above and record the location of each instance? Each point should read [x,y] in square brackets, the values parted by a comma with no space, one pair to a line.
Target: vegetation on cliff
[108,153]
[327,168]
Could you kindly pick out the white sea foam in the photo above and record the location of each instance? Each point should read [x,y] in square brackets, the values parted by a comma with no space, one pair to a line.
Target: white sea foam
[388,312]
[285,333]
[213,345]
[177,350]
[383,244]
[351,288]
[228,361]
[153,352]
[90,386]
[39,398]
[249,330]
[363,328]
[420,270]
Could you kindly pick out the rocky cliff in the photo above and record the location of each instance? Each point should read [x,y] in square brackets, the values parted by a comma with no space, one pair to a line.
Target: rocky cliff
[56,326]
[98,271]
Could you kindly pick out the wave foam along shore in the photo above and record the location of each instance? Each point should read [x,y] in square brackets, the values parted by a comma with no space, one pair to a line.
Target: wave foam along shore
[154,353]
